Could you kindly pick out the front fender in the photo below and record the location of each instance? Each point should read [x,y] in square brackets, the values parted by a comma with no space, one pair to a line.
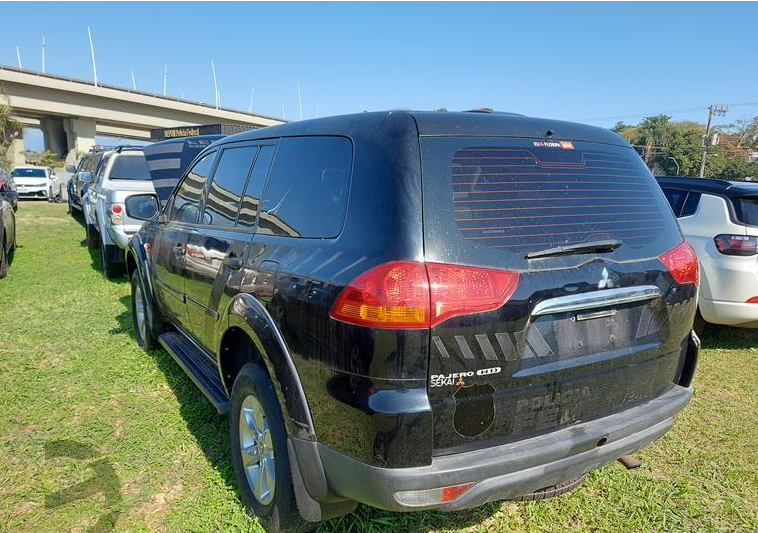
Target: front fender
[248,313]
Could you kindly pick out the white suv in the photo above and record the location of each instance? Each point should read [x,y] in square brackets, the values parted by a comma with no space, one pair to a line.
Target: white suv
[720,220]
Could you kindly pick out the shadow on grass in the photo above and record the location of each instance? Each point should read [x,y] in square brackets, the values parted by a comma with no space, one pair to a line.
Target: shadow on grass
[211,433]
[210,430]
[97,264]
[718,337]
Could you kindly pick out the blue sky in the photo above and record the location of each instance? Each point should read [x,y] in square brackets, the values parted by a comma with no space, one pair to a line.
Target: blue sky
[581,61]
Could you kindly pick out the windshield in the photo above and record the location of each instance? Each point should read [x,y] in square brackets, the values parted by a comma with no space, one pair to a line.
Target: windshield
[130,167]
[28,173]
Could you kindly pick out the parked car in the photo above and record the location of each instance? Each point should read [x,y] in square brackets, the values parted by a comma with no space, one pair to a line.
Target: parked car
[7,233]
[420,310]
[130,180]
[76,187]
[8,189]
[720,220]
[37,182]
[123,172]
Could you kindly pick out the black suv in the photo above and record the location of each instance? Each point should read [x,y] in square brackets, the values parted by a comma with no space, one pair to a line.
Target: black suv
[421,310]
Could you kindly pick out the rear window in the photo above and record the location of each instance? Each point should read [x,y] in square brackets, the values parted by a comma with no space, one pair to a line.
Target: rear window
[515,196]
[129,167]
[746,209]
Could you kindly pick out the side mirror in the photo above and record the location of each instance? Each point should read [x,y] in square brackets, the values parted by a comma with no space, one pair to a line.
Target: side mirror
[142,206]
[70,169]
[85,177]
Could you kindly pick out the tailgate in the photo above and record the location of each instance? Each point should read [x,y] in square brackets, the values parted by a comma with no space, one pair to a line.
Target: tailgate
[583,335]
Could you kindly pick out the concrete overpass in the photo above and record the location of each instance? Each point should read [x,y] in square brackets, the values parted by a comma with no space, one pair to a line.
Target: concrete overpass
[70,112]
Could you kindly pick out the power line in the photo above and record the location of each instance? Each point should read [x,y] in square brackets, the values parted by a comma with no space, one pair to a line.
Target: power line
[669,112]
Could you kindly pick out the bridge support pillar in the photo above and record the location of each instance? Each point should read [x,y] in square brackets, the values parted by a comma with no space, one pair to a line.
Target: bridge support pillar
[15,151]
[54,135]
[80,137]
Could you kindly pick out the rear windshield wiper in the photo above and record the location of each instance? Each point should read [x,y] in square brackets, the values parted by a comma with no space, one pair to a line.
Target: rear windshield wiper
[607,245]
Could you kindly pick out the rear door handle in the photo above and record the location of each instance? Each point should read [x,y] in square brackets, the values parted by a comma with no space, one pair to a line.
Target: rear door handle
[235,263]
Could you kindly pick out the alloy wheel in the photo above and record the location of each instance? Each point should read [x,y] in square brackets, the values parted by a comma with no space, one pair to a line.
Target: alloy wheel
[257,449]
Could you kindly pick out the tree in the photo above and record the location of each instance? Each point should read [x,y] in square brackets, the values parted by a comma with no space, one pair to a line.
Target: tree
[9,129]
[48,158]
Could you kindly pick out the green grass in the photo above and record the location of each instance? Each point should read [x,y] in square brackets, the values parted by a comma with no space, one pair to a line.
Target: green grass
[96,433]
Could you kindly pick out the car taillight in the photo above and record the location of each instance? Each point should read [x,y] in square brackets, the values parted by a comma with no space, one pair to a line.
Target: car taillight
[681,262]
[116,216]
[460,290]
[736,244]
[409,294]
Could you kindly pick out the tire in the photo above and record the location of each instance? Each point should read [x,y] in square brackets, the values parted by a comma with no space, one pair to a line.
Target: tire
[109,268]
[50,194]
[3,260]
[144,329]
[93,239]
[699,326]
[276,512]
[70,209]
[552,492]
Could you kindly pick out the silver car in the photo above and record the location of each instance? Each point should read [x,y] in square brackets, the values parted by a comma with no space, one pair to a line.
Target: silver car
[123,175]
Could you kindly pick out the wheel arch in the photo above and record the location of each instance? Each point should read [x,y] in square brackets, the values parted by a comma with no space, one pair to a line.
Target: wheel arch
[247,321]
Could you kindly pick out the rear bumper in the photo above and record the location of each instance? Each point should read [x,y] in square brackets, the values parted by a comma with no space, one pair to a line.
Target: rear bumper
[509,470]
[729,313]
[121,234]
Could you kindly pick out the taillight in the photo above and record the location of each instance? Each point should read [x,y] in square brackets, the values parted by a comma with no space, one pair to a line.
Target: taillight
[681,262]
[736,244]
[409,294]
[460,290]
[116,216]
[392,295]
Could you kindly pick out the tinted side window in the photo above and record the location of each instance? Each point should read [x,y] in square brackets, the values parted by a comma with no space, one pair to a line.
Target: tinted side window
[255,183]
[306,194]
[746,209]
[676,199]
[226,189]
[186,205]
[690,204]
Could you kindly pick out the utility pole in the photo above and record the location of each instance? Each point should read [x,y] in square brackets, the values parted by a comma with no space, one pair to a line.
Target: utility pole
[18,56]
[252,93]
[215,84]
[43,54]
[284,115]
[299,101]
[92,51]
[134,82]
[165,79]
[718,110]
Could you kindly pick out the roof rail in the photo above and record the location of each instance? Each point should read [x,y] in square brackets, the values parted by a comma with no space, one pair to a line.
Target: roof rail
[489,110]
[123,147]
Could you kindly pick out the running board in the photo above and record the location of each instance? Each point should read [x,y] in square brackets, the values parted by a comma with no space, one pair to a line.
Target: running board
[208,381]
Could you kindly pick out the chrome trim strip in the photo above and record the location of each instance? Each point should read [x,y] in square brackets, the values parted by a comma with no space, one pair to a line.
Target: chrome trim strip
[594,299]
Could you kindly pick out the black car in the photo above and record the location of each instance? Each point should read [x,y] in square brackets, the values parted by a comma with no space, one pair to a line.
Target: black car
[8,189]
[7,233]
[421,310]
